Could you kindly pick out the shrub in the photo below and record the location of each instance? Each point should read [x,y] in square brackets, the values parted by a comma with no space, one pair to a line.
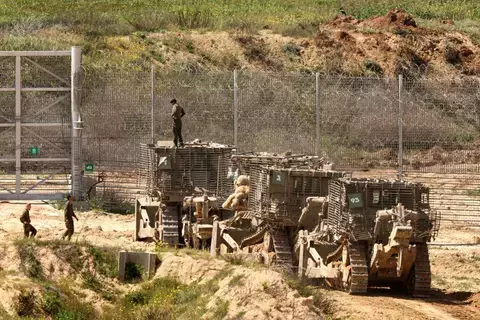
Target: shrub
[29,263]
[292,49]
[133,271]
[52,303]
[105,261]
[25,303]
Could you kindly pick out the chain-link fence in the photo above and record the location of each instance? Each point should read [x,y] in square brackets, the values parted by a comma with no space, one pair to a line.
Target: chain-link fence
[424,129]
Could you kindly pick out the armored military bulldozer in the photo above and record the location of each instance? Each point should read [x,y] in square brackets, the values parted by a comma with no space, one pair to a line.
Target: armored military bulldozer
[368,233]
[173,175]
[268,199]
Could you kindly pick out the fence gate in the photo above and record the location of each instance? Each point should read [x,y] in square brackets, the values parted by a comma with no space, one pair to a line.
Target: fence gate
[39,122]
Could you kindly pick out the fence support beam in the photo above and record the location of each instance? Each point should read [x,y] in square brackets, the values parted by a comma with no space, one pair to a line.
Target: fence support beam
[18,124]
[400,126]
[152,103]
[235,109]
[317,114]
[76,123]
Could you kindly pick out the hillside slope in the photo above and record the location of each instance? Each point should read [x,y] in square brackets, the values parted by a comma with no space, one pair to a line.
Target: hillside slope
[390,44]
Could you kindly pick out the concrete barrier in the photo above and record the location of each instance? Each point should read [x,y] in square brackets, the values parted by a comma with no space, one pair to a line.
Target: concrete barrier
[145,259]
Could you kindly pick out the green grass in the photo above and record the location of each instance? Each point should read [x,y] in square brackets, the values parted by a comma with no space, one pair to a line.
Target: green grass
[166,298]
[96,24]
[29,263]
[74,255]
[122,16]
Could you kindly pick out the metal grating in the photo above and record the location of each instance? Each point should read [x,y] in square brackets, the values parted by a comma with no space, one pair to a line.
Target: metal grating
[378,195]
[285,201]
[193,169]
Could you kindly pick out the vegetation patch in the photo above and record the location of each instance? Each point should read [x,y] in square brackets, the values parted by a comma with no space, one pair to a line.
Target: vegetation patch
[320,302]
[133,272]
[166,298]
[28,261]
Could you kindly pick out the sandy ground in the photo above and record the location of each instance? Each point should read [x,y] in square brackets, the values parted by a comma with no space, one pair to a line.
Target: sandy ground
[456,269]
[99,228]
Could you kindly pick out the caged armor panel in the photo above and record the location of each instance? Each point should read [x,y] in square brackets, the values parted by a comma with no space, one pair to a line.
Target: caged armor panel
[353,205]
[280,193]
[197,168]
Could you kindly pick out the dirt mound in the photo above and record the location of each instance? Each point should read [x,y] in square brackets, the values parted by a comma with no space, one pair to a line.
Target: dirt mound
[343,21]
[475,300]
[254,293]
[395,44]
[396,18]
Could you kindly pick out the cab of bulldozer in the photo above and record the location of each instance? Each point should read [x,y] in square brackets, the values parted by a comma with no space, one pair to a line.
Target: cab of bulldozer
[204,206]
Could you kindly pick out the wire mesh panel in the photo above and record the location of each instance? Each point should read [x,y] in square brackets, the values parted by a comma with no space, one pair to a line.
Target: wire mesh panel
[7,155]
[7,72]
[441,125]
[353,206]
[115,108]
[47,108]
[281,193]
[116,105]
[35,113]
[194,169]
[276,112]
[207,100]
[46,72]
[359,121]
[441,130]
[7,128]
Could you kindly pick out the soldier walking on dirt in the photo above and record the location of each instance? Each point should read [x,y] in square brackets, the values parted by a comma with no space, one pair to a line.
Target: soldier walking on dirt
[28,229]
[177,115]
[69,215]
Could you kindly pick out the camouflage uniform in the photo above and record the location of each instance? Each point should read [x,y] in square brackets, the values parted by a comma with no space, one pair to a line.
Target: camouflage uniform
[28,229]
[177,114]
[69,215]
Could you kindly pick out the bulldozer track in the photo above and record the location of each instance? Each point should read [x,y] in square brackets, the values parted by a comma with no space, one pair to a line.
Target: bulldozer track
[283,249]
[423,276]
[170,225]
[359,268]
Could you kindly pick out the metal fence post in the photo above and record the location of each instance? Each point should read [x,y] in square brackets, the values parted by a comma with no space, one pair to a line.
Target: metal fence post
[317,114]
[76,123]
[235,109]
[400,126]
[152,103]
[18,123]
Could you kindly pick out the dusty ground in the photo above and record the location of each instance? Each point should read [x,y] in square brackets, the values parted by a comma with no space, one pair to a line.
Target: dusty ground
[456,271]
[99,228]
[456,282]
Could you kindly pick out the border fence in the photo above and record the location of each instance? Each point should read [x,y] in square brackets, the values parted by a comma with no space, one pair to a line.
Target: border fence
[423,130]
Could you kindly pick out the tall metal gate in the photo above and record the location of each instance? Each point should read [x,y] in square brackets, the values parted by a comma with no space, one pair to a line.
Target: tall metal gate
[39,122]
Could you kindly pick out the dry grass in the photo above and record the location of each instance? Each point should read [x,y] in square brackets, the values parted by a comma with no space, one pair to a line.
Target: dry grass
[456,269]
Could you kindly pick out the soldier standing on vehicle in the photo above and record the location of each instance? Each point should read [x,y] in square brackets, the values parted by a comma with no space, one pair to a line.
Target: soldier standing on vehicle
[177,115]
[69,215]
[28,229]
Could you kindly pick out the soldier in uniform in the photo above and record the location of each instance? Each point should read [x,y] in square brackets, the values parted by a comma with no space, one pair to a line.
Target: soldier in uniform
[28,229]
[69,215]
[177,115]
